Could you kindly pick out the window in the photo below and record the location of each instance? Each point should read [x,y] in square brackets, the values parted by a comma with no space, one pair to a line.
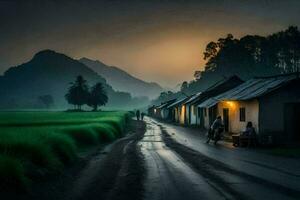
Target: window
[242,114]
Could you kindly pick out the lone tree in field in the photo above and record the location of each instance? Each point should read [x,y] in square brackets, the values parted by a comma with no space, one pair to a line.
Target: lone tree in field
[78,93]
[97,96]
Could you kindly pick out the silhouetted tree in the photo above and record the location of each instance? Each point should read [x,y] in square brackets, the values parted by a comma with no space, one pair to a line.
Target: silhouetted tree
[78,93]
[184,86]
[197,75]
[97,96]
[248,56]
[47,100]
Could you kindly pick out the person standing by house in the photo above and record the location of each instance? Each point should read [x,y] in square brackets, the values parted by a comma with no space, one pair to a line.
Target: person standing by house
[216,128]
[137,115]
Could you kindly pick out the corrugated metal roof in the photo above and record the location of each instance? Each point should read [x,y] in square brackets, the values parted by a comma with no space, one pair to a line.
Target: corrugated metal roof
[195,96]
[165,104]
[162,105]
[181,101]
[216,89]
[251,89]
[208,103]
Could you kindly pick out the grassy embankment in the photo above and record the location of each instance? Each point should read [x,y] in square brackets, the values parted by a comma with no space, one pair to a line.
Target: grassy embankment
[33,144]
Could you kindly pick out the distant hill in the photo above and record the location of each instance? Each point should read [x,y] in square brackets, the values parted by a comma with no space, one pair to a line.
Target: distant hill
[123,81]
[48,73]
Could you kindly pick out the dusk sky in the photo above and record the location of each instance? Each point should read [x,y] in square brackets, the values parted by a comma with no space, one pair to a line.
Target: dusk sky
[161,41]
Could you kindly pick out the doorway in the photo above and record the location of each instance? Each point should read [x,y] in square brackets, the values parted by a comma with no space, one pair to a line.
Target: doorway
[226,119]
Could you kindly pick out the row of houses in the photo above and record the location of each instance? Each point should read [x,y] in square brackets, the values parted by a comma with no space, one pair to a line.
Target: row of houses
[272,104]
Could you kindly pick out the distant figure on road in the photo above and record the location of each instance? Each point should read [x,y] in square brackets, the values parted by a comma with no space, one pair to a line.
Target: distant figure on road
[137,115]
[142,116]
[216,126]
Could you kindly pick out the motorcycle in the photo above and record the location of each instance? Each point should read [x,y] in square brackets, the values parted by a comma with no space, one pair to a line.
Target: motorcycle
[215,135]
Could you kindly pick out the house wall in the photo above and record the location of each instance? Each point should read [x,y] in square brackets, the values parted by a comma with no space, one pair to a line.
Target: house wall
[187,114]
[164,113]
[206,118]
[182,114]
[157,113]
[176,114]
[251,114]
[272,111]
[199,113]
[193,116]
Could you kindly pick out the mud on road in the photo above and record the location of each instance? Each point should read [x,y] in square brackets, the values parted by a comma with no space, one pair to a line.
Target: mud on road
[120,173]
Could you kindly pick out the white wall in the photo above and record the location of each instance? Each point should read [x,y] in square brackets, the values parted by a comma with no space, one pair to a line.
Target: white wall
[164,113]
[193,115]
[252,112]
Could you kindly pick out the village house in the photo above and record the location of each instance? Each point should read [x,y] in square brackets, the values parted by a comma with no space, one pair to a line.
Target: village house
[177,110]
[151,110]
[272,104]
[162,111]
[193,113]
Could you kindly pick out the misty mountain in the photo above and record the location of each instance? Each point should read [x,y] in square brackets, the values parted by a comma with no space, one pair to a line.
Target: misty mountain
[48,73]
[123,81]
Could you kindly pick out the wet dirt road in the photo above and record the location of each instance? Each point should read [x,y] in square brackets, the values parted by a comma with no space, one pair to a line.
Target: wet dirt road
[160,161]
[169,177]
[175,171]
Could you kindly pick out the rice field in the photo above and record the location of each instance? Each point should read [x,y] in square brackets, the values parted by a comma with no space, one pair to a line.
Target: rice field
[44,142]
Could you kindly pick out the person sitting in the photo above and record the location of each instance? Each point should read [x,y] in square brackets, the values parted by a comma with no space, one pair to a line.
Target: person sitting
[249,134]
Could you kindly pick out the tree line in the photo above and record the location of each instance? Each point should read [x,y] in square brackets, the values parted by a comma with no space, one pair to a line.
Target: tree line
[247,57]
[80,94]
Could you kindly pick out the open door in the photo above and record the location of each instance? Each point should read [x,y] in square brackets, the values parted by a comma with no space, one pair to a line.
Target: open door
[226,119]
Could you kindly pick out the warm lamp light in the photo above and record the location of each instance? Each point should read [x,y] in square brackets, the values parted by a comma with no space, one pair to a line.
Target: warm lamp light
[230,103]
[183,108]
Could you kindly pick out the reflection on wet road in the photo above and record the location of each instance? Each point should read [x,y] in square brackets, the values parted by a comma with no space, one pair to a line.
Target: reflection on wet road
[168,176]
[171,175]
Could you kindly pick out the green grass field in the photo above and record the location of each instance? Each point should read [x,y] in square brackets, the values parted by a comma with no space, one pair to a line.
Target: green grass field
[45,142]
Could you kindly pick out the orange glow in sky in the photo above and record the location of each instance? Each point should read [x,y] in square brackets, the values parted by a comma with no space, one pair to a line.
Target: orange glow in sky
[161,41]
